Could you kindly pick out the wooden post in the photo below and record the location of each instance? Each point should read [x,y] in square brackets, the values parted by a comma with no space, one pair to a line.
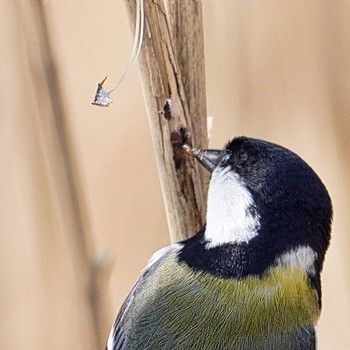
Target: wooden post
[171,66]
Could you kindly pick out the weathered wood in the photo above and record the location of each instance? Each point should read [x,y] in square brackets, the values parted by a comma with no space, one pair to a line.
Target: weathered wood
[172,66]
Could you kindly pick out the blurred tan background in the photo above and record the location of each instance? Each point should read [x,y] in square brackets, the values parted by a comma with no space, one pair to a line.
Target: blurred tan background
[81,207]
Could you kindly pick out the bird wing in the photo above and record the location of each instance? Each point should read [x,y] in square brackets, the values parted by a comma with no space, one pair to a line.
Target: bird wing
[118,336]
[174,307]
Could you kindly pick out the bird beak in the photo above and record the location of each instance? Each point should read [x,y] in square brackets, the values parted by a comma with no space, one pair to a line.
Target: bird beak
[209,158]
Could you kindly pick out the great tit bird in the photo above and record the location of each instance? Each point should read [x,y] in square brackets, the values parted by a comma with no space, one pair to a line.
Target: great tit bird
[250,278]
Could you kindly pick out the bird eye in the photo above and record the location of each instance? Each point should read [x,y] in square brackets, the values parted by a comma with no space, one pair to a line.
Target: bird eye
[225,158]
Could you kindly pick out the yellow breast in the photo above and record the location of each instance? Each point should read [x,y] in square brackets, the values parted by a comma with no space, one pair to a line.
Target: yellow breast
[178,300]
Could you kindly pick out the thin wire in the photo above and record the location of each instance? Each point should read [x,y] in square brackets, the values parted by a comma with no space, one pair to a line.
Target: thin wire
[138,38]
[102,97]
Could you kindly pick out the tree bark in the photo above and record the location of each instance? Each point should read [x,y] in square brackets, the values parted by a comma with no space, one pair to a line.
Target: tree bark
[171,67]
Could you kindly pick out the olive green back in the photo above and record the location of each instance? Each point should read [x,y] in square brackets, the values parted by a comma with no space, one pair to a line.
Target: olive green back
[178,308]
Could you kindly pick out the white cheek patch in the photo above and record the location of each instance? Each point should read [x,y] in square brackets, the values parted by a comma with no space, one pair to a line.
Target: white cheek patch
[229,218]
[302,257]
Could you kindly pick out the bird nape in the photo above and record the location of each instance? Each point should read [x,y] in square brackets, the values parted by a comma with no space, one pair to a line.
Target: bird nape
[250,278]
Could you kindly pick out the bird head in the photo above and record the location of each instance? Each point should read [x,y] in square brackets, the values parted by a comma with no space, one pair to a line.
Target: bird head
[265,199]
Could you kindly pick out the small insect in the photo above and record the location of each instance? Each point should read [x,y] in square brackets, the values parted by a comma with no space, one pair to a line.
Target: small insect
[166,111]
[188,150]
[102,97]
